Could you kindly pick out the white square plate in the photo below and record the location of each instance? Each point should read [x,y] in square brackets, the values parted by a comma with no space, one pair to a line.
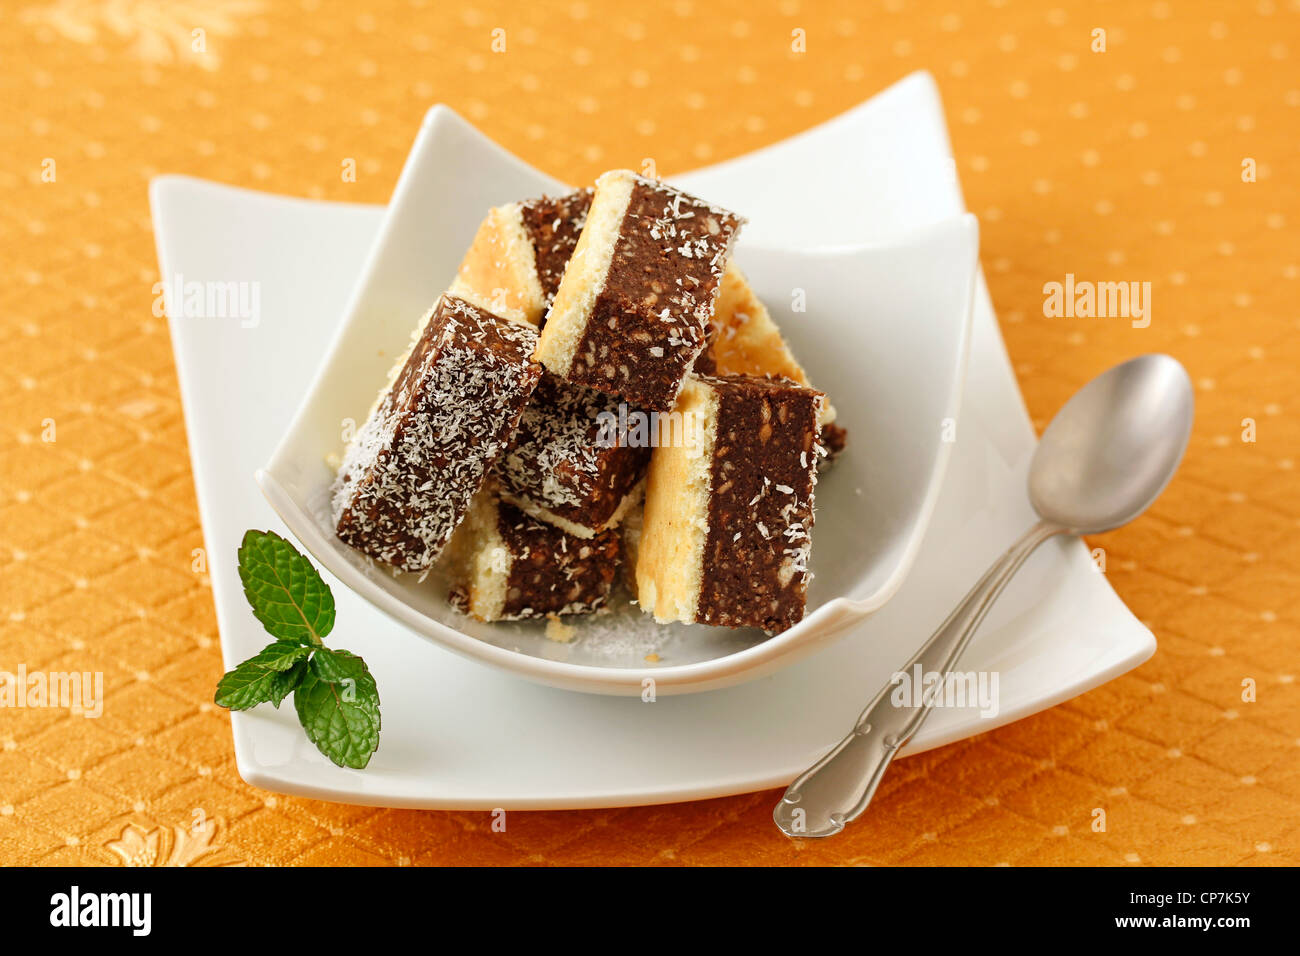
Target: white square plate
[457,734]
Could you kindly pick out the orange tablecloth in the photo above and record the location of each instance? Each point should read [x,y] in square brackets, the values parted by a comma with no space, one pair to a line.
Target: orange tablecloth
[1123,164]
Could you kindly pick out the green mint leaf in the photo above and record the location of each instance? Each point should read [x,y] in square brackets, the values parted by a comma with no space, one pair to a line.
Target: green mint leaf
[268,675]
[284,589]
[286,682]
[338,707]
[333,692]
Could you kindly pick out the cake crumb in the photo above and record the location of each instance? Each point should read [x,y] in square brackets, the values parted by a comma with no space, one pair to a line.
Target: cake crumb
[652,658]
[557,630]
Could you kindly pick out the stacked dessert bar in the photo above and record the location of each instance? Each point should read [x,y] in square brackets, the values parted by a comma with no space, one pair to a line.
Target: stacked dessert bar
[501,445]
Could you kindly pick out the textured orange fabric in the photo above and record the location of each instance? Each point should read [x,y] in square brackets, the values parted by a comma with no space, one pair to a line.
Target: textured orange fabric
[1122,164]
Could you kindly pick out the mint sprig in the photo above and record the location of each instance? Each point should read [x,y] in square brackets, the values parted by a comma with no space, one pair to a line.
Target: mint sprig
[333,691]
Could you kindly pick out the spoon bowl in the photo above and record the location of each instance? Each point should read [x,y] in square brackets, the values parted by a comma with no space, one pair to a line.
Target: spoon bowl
[1114,446]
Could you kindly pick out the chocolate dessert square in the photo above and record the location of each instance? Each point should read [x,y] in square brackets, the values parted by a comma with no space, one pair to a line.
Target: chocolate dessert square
[632,309]
[509,566]
[407,477]
[726,532]
[570,465]
[514,265]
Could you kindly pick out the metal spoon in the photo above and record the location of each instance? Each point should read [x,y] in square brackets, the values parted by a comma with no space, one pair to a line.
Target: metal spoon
[1103,459]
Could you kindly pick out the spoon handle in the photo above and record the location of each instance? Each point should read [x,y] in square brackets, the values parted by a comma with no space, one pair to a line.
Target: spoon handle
[837,788]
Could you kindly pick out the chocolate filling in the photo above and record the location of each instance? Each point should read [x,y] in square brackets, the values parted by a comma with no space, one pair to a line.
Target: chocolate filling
[558,461]
[554,572]
[760,515]
[648,323]
[554,226]
[835,438]
[704,364]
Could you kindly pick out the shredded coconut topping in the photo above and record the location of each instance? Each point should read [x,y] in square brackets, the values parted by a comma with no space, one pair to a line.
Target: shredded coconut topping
[407,478]
[555,459]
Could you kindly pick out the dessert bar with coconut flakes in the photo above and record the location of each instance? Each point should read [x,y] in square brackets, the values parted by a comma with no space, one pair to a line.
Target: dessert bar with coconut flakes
[567,466]
[408,476]
[508,566]
[632,309]
[513,266]
[726,532]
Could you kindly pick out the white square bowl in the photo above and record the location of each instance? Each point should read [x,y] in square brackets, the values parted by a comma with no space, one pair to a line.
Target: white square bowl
[883,329]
